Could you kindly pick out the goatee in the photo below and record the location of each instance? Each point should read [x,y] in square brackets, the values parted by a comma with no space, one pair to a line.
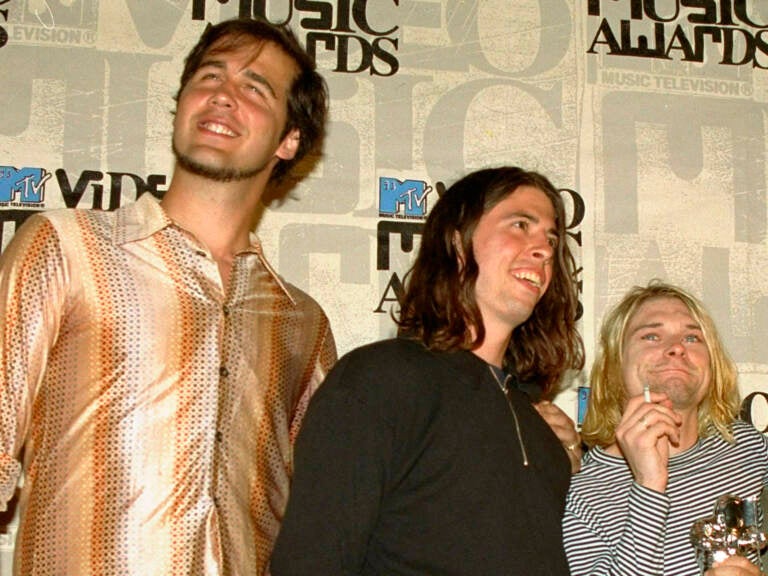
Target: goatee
[212,172]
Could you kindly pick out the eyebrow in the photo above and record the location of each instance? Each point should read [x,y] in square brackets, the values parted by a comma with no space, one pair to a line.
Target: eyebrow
[636,329]
[247,72]
[530,217]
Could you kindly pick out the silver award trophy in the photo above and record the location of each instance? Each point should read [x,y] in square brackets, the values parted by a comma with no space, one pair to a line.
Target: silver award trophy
[733,529]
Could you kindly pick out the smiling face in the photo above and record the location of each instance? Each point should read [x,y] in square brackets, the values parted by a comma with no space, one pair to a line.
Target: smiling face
[664,346]
[232,112]
[513,245]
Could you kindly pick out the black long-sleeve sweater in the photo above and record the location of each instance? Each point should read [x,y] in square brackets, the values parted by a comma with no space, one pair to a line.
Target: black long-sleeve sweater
[409,463]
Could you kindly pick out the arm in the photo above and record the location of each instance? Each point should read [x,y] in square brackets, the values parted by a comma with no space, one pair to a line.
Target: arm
[604,537]
[31,275]
[341,458]
[622,537]
[324,360]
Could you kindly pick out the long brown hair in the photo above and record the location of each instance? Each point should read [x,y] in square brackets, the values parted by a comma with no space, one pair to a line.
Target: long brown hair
[439,305]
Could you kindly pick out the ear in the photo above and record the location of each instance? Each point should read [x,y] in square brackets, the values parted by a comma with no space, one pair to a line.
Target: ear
[289,146]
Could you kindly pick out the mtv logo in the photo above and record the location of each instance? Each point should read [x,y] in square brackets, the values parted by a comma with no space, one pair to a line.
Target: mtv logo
[408,197]
[25,185]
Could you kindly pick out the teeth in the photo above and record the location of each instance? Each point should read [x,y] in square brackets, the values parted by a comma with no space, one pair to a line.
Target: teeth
[218,129]
[531,277]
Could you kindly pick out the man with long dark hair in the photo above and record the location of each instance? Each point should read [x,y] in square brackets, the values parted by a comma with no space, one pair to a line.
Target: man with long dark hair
[155,368]
[419,456]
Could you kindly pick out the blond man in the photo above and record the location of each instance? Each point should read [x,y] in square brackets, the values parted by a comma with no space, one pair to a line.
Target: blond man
[665,441]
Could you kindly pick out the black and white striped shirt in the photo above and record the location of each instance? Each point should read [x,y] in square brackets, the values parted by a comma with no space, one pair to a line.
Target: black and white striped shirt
[616,527]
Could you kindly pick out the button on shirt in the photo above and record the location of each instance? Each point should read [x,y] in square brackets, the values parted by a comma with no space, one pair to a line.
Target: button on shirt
[156,412]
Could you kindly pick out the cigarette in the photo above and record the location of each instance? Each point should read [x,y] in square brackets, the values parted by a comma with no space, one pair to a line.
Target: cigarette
[647,393]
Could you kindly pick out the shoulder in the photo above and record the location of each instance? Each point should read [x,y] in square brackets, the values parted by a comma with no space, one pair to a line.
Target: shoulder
[398,370]
[599,470]
[743,429]
[393,357]
[401,347]
[42,235]
[747,436]
[50,219]
[74,226]
[303,302]
[407,358]
[66,216]
[48,241]
[746,453]
[304,321]
[39,223]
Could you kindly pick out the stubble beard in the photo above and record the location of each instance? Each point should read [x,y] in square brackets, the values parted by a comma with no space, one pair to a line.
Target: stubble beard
[681,392]
[215,173]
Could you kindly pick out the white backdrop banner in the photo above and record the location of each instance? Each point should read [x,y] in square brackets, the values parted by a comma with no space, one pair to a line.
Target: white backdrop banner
[650,115]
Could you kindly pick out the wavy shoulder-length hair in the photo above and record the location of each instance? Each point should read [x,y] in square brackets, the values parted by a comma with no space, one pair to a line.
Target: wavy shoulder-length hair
[607,395]
[439,305]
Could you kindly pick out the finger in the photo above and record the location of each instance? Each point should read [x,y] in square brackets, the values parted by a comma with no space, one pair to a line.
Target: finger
[637,407]
[658,423]
[645,431]
[556,418]
[555,414]
[650,432]
[550,410]
[549,407]
[649,414]
[566,434]
[736,565]
[565,430]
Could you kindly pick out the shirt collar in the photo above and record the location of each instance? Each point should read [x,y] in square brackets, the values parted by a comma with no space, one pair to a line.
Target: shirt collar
[141,219]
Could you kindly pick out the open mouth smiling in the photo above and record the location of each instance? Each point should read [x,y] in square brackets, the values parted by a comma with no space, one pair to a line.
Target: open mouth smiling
[217,128]
[530,277]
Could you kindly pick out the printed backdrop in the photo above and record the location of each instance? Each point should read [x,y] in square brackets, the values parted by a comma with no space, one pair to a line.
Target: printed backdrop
[648,114]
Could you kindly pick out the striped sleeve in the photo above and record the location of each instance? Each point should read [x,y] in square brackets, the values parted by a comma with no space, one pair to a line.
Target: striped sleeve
[594,546]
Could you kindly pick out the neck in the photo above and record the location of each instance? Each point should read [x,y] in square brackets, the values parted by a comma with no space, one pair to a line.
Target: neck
[689,432]
[493,348]
[219,214]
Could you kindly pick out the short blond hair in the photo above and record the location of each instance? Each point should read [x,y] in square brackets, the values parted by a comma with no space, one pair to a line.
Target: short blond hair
[607,390]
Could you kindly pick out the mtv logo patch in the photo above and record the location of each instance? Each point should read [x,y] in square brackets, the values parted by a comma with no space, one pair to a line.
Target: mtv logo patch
[24,185]
[407,198]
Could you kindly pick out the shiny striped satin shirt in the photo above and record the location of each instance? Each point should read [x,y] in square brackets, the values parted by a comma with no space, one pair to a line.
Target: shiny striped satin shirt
[155,414]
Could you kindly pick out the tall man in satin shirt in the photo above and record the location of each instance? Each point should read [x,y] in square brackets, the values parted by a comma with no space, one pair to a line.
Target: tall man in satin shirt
[155,369]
